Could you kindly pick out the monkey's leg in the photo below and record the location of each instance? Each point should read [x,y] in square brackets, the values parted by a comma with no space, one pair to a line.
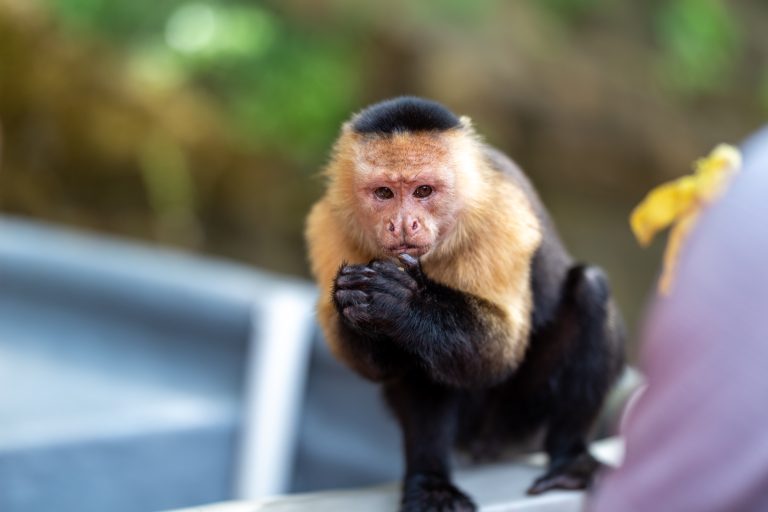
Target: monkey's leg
[591,356]
[427,414]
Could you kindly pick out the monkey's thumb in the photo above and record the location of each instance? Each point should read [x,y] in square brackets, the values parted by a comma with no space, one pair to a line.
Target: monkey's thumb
[412,266]
[409,261]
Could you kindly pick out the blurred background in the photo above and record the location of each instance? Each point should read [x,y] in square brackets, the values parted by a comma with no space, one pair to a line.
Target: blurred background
[201,125]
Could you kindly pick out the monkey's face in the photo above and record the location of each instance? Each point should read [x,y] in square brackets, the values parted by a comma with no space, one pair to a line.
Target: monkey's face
[406,197]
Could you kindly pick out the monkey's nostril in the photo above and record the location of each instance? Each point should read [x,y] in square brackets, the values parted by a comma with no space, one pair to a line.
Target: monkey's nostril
[391,227]
[415,225]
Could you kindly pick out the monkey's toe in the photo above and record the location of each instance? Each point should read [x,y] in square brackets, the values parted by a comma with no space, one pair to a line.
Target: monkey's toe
[573,474]
[432,493]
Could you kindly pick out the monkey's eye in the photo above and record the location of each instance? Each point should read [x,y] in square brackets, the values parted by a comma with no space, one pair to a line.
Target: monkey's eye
[422,191]
[384,193]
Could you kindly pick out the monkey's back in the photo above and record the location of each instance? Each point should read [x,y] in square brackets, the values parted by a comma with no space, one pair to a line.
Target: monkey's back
[551,261]
[513,412]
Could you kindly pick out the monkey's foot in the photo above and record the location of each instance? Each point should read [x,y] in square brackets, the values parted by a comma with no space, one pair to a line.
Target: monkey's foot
[571,474]
[423,492]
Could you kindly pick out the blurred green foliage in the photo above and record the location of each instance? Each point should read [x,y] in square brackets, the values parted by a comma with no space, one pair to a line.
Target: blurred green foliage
[286,84]
[198,123]
[572,10]
[272,78]
[700,42]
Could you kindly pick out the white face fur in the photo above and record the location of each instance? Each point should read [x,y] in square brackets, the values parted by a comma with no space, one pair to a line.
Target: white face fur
[407,189]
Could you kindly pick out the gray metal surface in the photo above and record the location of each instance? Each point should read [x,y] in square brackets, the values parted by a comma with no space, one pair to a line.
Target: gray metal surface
[121,372]
[347,437]
[496,487]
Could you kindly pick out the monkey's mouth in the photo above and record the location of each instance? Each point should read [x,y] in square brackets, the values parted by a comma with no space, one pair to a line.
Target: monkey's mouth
[411,250]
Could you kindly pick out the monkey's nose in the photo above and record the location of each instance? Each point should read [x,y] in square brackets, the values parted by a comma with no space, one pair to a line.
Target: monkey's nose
[411,226]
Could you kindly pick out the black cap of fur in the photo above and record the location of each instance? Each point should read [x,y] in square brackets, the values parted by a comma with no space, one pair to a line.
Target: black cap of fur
[405,114]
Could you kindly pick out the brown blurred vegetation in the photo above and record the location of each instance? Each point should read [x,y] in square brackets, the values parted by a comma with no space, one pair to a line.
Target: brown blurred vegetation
[598,100]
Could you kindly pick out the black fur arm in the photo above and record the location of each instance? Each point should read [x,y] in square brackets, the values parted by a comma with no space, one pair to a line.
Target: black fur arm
[369,353]
[456,338]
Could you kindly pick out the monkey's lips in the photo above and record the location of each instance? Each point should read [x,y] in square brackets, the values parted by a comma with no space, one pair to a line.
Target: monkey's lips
[411,250]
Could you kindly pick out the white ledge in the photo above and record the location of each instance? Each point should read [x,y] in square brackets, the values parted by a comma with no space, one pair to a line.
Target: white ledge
[494,487]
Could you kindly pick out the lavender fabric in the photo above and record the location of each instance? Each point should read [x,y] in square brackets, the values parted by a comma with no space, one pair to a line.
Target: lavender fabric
[697,439]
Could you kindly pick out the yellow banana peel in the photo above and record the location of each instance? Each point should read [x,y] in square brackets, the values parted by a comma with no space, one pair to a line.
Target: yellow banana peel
[679,203]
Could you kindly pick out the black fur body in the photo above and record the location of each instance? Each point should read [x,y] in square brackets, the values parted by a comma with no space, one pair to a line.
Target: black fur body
[420,336]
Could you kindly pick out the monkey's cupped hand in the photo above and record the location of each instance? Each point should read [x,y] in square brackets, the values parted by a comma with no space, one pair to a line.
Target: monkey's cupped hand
[378,296]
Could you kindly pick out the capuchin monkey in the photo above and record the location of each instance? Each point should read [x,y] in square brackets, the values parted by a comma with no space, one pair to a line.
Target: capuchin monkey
[442,277]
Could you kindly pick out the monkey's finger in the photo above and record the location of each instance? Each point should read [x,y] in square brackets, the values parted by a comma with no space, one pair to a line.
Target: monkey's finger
[408,260]
[379,265]
[356,269]
[388,268]
[349,297]
[352,280]
[357,315]
[389,275]
[412,266]
[389,289]
[387,303]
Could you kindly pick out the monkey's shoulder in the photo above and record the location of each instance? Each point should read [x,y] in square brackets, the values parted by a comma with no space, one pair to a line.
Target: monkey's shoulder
[329,243]
[512,173]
